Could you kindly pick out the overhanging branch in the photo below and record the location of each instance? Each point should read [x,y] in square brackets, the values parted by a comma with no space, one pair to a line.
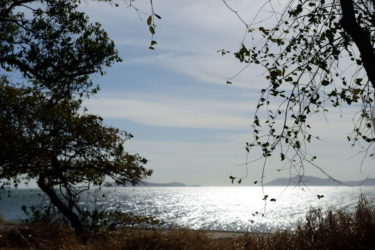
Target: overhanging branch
[360,38]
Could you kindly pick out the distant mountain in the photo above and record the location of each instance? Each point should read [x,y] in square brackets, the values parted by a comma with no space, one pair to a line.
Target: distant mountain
[151,184]
[169,184]
[315,181]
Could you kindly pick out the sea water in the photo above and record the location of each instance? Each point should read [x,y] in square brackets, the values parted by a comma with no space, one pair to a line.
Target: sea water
[209,208]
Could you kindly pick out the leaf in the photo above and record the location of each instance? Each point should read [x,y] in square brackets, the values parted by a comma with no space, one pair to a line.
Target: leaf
[325,83]
[152,30]
[282,156]
[264,30]
[358,81]
[232,178]
[356,91]
[149,20]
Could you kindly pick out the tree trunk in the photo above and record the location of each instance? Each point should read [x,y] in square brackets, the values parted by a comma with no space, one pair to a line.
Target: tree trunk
[360,38]
[56,201]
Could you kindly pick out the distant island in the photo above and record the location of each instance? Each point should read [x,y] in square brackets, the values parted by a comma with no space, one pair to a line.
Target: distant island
[315,181]
[151,184]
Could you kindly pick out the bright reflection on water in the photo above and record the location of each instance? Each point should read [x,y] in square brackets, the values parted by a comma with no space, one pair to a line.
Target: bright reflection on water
[216,208]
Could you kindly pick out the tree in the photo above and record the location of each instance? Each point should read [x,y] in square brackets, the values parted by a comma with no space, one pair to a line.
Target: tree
[318,55]
[45,132]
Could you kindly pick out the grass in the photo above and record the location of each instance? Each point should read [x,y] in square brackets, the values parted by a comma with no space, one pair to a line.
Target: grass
[331,230]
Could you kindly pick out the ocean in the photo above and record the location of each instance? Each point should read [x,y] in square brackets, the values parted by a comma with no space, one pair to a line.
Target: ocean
[239,208]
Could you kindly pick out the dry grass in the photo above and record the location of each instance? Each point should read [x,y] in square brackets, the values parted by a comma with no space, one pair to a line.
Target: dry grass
[333,230]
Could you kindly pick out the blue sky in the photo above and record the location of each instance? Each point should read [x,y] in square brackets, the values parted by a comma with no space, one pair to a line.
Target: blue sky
[189,124]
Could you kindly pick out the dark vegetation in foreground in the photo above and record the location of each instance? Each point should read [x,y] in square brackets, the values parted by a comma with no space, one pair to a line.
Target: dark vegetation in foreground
[330,230]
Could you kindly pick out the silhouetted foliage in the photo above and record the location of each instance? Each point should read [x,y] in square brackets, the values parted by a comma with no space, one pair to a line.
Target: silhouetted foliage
[48,50]
[317,55]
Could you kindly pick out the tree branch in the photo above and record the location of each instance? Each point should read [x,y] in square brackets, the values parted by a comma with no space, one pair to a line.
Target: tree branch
[360,38]
[70,215]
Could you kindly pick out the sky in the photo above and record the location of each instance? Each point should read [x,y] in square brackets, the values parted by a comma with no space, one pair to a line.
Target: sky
[190,124]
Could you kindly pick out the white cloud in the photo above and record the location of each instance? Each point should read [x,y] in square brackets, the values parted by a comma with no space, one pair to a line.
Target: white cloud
[208,68]
[169,112]
[189,34]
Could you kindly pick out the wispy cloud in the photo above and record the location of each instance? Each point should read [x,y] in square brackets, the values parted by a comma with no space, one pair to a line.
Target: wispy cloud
[208,68]
[171,112]
[189,35]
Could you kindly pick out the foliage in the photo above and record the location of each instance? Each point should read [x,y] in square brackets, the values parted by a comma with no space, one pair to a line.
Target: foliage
[45,132]
[42,215]
[54,139]
[96,220]
[318,55]
[102,220]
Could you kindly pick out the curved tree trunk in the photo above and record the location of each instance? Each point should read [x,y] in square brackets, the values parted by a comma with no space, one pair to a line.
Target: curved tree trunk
[360,38]
[56,201]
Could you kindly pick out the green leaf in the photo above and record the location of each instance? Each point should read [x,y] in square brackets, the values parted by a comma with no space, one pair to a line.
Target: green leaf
[356,91]
[152,30]
[149,20]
